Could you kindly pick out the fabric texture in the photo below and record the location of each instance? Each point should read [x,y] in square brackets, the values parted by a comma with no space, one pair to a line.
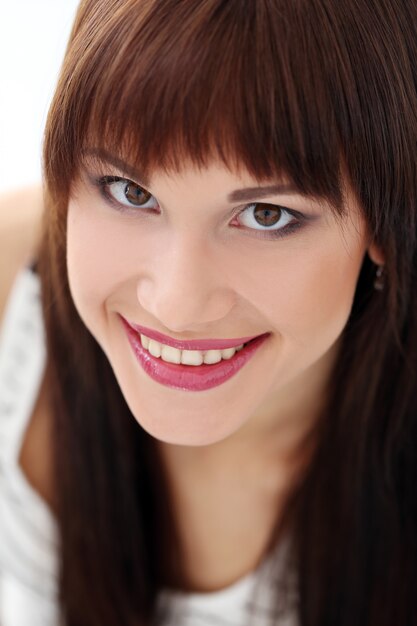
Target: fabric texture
[29,538]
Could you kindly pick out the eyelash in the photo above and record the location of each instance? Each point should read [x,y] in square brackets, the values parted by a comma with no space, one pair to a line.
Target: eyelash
[104,182]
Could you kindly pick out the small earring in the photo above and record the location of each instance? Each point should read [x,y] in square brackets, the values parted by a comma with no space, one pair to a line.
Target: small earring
[379,282]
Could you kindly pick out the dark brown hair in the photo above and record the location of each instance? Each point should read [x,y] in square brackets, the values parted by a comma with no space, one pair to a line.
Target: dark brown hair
[322,91]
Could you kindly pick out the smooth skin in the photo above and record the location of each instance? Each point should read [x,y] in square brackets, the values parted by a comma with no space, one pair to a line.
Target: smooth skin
[191,262]
[184,263]
[233,451]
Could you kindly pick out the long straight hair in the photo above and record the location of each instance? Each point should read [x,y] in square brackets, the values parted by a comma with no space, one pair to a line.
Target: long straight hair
[322,91]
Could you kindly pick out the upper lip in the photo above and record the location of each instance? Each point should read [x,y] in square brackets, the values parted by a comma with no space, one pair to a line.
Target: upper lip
[190,344]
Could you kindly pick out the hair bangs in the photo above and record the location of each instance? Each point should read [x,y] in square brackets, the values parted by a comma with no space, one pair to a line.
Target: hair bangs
[200,86]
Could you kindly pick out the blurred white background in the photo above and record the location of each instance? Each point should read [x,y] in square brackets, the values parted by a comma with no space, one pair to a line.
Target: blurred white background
[33,37]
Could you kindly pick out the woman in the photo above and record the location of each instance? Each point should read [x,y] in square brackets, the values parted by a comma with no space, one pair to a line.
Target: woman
[228,277]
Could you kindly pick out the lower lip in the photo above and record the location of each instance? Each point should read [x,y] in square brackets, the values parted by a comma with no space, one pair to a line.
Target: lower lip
[191,377]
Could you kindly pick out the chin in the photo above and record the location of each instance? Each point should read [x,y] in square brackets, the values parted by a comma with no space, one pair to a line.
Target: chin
[194,431]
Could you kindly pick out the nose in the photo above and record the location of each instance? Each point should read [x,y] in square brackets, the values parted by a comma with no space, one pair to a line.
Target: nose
[185,288]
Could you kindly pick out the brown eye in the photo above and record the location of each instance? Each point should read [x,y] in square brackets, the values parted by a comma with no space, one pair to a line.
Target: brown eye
[127,194]
[260,216]
[267,214]
[136,195]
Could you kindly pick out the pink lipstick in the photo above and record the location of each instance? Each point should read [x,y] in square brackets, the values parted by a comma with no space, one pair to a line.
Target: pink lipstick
[191,377]
[190,344]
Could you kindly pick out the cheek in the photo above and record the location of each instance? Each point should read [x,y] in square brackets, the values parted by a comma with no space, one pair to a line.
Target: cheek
[97,259]
[309,291]
[101,249]
[87,244]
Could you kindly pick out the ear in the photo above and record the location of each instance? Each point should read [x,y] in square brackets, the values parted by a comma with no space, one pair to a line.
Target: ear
[375,254]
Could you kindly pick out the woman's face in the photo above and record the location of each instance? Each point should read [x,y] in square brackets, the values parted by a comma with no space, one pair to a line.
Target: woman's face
[211,255]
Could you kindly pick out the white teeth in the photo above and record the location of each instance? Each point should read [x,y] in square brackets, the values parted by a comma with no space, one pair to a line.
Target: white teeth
[171,355]
[191,357]
[212,356]
[155,348]
[186,357]
[228,353]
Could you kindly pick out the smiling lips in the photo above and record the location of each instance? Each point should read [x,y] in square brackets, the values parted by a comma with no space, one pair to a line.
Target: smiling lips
[196,344]
[193,365]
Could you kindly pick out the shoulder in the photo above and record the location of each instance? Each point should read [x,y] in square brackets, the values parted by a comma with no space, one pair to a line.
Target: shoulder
[21,213]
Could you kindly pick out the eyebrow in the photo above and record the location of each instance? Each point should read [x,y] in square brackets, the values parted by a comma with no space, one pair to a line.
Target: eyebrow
[238,195]
[122,166]
[252,193]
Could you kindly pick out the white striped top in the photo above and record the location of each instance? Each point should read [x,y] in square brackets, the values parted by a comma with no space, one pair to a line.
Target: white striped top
[29,538]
